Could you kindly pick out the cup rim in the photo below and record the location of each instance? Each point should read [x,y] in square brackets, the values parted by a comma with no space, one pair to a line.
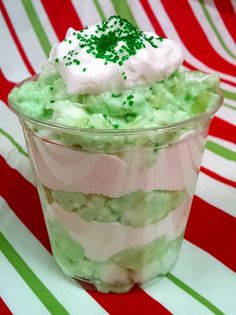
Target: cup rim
[170,127]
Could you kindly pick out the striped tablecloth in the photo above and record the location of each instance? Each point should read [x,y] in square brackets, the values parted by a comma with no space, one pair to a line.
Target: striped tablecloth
[203,281]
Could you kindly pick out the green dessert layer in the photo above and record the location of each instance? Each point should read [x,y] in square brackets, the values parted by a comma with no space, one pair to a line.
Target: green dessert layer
[121,271]
[137,209]
[179,97]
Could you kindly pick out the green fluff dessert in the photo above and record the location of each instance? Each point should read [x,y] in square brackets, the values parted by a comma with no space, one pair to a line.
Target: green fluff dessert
[115,128]
[181,96]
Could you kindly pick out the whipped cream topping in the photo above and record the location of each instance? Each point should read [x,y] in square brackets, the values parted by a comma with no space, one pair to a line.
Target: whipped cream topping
[113,56]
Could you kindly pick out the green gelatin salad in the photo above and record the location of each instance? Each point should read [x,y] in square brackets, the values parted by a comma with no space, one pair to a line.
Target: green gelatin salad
[115,128]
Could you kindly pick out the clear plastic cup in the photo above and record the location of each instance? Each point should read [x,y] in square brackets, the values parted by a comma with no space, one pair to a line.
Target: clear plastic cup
[116,202]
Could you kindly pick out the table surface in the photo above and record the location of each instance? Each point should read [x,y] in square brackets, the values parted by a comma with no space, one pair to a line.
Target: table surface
[203,280]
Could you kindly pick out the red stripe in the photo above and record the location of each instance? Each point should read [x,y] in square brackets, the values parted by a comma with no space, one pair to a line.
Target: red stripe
[194,37]
[4,310]
[156,25]
[6,87]
[136,302]
[158,29]
[62,15]
[15,37]
[222,129]
[212,230]
[218,177]
[23,199]
[228,82]
[227,14]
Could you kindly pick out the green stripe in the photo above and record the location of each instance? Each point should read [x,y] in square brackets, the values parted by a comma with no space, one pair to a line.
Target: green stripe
[39,289]
[37,26]
[230,106]
[229,95]
[207,15]
[99,9]
[194,294]
[122,8]
[18,147]
[222,151]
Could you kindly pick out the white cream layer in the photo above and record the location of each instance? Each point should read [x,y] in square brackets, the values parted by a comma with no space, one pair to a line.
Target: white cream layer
[144,68]
[173,168]
[103,240]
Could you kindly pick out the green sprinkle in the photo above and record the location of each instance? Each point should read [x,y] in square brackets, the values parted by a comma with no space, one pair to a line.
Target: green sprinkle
[69,41]
[84,69]
[116,126]
[130,117]
[115,95]
[56,60]
[76,61]
[52,101]
[130,97]
[47,113]
[131,103]
[51,88]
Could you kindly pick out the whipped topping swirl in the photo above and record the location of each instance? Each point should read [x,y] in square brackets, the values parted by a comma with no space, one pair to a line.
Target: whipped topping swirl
[113,56]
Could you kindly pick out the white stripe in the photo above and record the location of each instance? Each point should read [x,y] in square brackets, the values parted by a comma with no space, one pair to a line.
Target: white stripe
[220,25]
[107,7]
[227,114]
[66,290]
[44,19]
[170,31]
[140,16]
[174,298]
[224,143]
[233,5]
[15,292]
[228,87]
[203,273]
[11,63]
[207,29]
[25,33]
[15,160]
[219,165]
[208,276]
[87,12]
[11,124]
[218,194]
[230,102]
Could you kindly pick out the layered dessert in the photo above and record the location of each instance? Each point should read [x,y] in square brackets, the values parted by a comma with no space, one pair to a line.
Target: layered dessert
[115,129]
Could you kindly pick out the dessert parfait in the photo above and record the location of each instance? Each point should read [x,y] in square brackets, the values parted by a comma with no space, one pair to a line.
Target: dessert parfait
[115,128]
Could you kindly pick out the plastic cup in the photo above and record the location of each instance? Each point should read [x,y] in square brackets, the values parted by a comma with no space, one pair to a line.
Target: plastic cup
[116,202]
